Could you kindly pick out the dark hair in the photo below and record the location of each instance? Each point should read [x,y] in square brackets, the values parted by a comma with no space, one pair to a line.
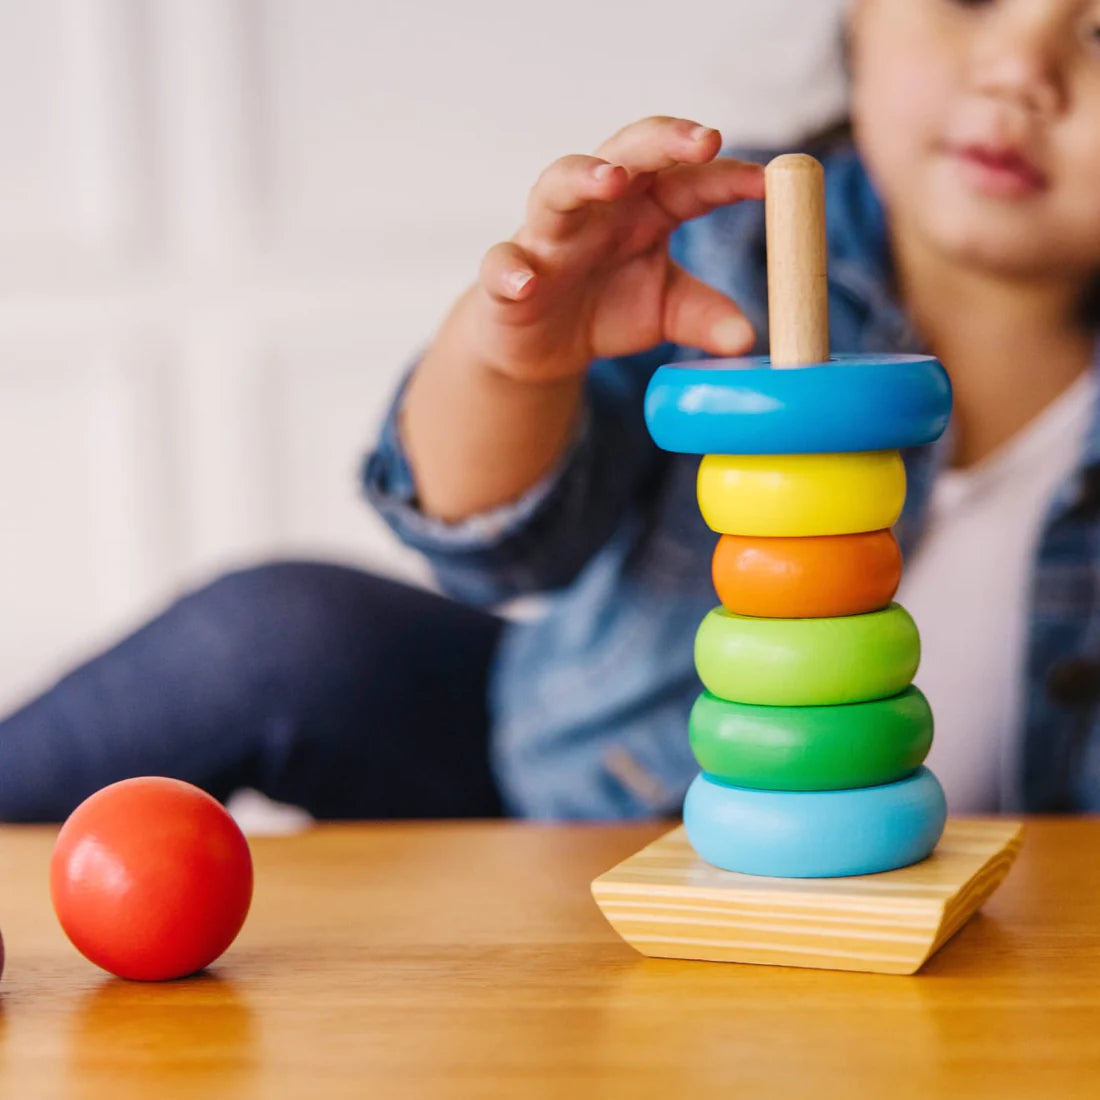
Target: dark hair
[1090,304]
[823,141]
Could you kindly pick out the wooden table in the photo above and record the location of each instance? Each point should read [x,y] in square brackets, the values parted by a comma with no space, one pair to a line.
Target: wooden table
[469,960]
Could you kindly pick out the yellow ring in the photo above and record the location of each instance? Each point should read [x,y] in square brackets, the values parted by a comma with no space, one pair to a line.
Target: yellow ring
[797,495]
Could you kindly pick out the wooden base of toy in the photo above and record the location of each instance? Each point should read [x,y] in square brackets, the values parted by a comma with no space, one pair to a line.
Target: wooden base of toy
[667,902]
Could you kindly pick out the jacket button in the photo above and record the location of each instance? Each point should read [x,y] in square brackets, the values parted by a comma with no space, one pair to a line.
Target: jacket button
[1074,681]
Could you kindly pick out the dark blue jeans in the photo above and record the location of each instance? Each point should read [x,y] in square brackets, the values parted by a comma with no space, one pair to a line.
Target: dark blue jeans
[319,685]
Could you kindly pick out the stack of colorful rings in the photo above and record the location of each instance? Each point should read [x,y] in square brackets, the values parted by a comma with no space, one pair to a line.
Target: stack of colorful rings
[810,734]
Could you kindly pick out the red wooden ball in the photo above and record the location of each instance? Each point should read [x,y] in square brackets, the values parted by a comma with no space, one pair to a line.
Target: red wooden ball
[151,878]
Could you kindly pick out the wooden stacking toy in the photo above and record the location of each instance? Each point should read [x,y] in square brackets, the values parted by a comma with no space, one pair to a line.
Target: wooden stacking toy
[813,834]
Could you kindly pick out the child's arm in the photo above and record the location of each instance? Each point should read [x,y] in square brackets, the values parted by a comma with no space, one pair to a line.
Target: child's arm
[494,403]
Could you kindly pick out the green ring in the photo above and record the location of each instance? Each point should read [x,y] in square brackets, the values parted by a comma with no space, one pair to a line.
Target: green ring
[807,662]
[811,748]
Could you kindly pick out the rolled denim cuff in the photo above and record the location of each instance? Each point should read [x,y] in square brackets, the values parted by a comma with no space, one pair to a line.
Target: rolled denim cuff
[484,550]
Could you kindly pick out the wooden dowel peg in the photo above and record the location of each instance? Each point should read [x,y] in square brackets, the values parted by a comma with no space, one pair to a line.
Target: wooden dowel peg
[798,300]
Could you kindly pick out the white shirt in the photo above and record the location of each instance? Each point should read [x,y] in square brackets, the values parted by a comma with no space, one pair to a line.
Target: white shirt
[967,587]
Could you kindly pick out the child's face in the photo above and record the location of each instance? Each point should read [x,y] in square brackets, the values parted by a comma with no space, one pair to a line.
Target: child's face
[980,123]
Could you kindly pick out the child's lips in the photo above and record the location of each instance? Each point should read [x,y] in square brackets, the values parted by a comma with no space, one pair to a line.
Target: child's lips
[1001,171]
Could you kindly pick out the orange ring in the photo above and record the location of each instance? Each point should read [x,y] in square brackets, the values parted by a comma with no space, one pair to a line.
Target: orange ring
[810,577]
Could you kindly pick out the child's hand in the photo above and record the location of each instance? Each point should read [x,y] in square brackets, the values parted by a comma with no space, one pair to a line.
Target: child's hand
[495,399]
[588,274]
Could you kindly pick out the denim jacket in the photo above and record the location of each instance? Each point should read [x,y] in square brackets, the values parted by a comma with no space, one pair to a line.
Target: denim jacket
[590,699]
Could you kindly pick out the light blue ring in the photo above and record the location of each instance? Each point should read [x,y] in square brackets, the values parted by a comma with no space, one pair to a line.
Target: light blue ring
[815,834]
[747,407]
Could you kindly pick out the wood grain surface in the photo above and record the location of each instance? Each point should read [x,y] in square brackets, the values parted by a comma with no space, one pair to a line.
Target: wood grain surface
[668,902]
[470,960]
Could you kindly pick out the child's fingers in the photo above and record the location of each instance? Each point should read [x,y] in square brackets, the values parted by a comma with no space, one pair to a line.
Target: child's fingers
[566,189]
[698,316]
[691,190]
[657,143]
[507,273]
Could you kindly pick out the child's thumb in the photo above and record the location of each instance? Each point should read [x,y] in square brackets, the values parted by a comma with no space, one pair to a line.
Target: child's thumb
[698,316]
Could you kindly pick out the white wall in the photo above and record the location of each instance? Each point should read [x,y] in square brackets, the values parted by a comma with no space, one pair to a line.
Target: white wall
[226,224]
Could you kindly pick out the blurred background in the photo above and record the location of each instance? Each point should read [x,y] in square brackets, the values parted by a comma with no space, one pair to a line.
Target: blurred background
[227,225]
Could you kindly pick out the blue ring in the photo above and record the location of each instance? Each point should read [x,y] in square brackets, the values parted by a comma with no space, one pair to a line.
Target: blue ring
[815,834]
[746,407]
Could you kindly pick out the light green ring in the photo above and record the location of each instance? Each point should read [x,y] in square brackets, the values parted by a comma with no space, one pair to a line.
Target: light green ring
[807,662]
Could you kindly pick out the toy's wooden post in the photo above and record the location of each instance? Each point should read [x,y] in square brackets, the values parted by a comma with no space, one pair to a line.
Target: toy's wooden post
[798,297]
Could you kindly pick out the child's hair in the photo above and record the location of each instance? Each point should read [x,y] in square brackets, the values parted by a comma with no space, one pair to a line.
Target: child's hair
[831,136]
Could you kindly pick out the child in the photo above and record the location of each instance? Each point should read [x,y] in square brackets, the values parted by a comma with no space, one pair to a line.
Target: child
[965,220]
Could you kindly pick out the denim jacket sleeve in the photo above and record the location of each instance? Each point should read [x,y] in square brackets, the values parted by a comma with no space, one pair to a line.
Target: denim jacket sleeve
[540,541]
